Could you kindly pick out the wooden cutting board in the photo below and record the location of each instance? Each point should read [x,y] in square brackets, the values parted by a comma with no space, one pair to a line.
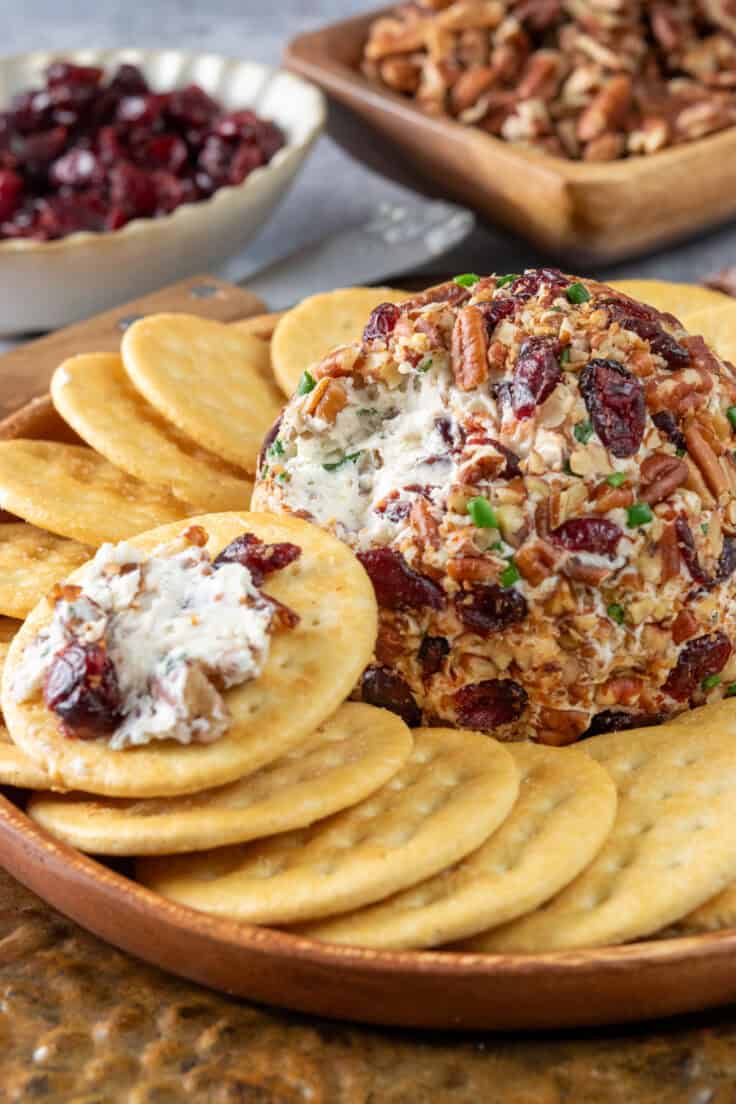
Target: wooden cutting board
[26,371]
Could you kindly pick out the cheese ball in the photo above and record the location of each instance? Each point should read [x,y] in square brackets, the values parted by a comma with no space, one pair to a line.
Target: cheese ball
[537,472]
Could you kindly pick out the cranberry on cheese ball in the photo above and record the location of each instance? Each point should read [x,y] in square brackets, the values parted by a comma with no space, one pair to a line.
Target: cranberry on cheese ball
[537,473]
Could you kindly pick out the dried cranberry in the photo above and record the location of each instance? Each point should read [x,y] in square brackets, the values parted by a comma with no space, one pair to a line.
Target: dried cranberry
[67,73]
[396,510]
[385,689]
[648,329]
[689,553]
[11,193]
[191,107]
[163,151]
[215,159]
[143,110]
[536,374]
[727,560]
[588,534]
[396,585]
[132,189]
[666,423]
[486,609]
[451,432]
[698,660]
[79,168]
[616,720]
[36,151]
[81,687]
[524,287]
[511,468]
[495,310]
[260,558]
[381,322]
[128,80]
[172,191]
[60,215]
[486,705]
[245,159]
[432,652]
[615,401]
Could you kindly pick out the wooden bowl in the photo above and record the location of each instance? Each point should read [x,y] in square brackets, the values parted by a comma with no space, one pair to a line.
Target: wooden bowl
[582,212]
[432,989]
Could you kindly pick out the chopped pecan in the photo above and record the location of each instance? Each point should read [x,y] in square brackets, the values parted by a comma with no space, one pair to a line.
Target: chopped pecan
[424,523]
[440,293]
[389,644]
[623,689]
[401,74]
[661,474]
[702,453]
[470,349]
[340,362]
[607,498]
[536,561]
[472,569]
[470,86]
[561,726]
[684,626]
[587,573]
[669,550]
[606,147]
[327,400]
[607,110]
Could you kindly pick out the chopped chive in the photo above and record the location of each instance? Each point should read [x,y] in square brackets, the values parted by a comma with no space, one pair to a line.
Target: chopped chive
[482,513]
[711,681]
[577,293]
[276,449]
[616,479]
[565,355]
[616,612]
[731,690]
[264,471]
[467,279]
[731,415]
[425,364]
[283,477]
[347,458]
[680,452]
[306,384]
[367,410]
[502,281]
[704,528]
[510,574]
[639,514]
[497,547]
[582,432]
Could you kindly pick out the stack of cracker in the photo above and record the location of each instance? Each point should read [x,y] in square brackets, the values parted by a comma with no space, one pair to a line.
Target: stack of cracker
[315,813]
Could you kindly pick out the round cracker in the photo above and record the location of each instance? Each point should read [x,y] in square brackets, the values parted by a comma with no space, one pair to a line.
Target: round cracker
[563,813]
[349,756]
[8,628]
[78,494]
[260,325]
[309,672]
[672,298]
[206,378]
[94,395]
[31,561]
[308,331]
[671,848]
[16,768]
[454,790]
[717,324]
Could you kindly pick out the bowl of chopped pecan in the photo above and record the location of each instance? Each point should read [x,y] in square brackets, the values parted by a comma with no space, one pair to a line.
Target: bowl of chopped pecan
[596,129]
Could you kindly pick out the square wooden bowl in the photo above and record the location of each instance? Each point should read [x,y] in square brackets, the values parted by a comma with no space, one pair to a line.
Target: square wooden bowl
[585,212]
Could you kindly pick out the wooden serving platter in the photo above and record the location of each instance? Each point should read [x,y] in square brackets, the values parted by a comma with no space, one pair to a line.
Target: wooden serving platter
[406,988]
[584,212]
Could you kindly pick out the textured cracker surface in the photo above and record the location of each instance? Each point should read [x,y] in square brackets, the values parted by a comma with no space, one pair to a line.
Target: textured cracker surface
[31,561]
[319,323]
[16,768]
[454,790]
[672,846]
[310,671]
[206,378]
[95,397]
[563,813]
[353,753]
[78,494]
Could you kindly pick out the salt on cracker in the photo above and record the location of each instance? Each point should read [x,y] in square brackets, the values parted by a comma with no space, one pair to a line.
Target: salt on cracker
[309,330]
[206,378]
[352,754]
[16,768]
[672,846]
[94,395]
[31,561]
[309,672]
[454,790]
[78,494]
[563,813]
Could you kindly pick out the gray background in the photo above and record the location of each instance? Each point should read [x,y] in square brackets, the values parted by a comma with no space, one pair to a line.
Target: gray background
[333,190]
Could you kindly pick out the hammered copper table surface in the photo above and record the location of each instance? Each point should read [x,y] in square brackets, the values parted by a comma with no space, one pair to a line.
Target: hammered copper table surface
[80,1022]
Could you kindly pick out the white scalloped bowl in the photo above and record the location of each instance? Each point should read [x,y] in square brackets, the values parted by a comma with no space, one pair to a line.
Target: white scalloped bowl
[49,284]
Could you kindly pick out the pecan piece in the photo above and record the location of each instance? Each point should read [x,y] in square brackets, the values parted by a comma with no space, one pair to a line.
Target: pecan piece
[669,552]
[561,726]
[684,626]
[702,453]
[327,400]
[470,349]
[536,561]
[607,498]
[607,110]
[424,523]
[661,474]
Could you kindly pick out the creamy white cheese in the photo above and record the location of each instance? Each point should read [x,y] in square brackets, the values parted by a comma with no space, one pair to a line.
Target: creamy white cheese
[175,629]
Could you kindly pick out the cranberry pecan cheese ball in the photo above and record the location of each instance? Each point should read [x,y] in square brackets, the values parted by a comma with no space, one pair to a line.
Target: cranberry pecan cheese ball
[537,473]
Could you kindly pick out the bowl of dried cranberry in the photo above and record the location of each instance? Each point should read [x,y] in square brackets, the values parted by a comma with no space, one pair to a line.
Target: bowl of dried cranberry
[123,170]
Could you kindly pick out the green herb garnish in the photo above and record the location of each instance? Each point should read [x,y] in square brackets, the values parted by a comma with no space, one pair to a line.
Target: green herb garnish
[482,513]
[616,612]
[425,364]
[680,452]
[616,479]
[306,384]
[731,690]
[276,449]
[711,681]
[467,279]
[283,477]
[704,528]
[565,355]
[582,432]
[349,457]
[577,293]
[510,574]
[731,415]
[639,514]
[502,281]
